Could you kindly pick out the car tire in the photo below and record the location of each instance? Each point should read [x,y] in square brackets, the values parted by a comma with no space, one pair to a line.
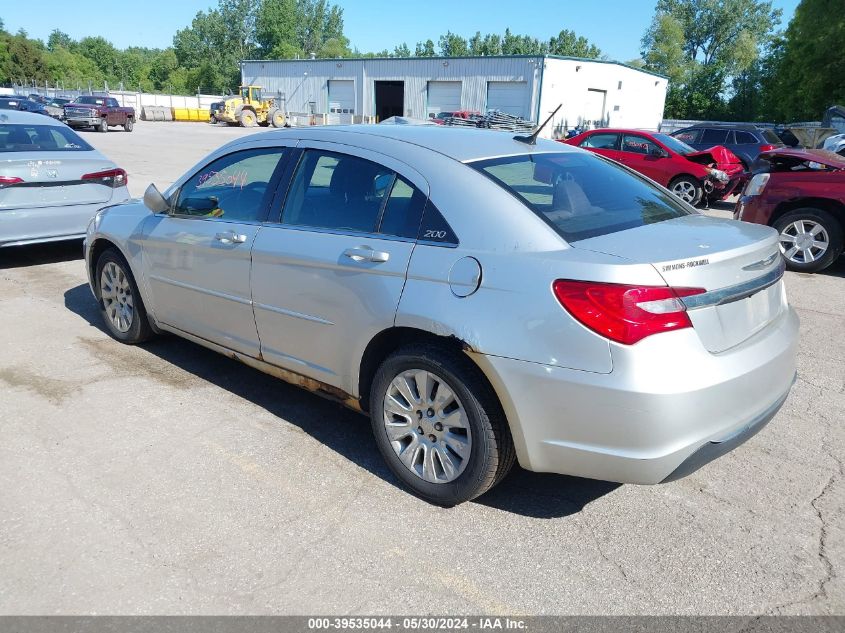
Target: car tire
[445,465]
[809,256]
[247,118]
[121,305]
[276,118]
[129,125]
[104,125]
[687,189]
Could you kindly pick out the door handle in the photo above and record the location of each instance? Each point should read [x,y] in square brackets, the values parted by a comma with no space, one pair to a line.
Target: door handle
[366,254]
[230,237]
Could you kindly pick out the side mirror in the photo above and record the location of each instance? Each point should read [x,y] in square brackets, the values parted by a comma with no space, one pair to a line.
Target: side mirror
[154,201]
[657,152]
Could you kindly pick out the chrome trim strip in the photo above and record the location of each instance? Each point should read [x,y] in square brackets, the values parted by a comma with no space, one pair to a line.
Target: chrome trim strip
[737,292]
[205,291]
[291,313]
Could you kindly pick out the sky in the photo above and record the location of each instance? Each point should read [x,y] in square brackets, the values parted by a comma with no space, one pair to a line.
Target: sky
[615,26]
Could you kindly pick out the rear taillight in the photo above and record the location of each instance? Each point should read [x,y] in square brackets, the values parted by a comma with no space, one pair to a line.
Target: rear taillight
[5,181]
[767,148]
[625,314]
[113,178]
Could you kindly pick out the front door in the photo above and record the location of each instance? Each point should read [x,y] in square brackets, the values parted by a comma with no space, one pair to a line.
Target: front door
[646,157]
[197,256]
[328,277]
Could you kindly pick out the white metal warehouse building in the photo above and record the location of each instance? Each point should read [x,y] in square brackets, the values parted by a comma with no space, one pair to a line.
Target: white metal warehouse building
[357,90]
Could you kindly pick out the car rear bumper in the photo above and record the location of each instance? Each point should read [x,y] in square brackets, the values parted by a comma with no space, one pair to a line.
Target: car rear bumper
[667,408]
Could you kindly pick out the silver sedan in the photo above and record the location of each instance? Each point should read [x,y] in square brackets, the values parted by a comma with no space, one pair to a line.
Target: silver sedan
[483,298]
[51,181]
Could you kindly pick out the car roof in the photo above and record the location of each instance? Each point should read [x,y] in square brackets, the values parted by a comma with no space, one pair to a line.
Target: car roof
[619,130]
[459,143]
[20,117]
[749,127]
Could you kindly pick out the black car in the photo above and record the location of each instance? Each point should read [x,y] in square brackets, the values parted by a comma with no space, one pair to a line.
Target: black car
[744,140]
[12,102]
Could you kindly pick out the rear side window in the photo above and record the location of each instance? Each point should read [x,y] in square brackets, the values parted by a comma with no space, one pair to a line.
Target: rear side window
[688,136]
[770,136]
[40,138]
[403,211]
[744,138]
[714,137]
[601,141]
[581,195]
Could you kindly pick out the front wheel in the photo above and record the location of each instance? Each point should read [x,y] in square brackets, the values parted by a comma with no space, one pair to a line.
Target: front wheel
[104,125]
[120,302]
[439,425]
[687,189]
[810,239]
[247,118]
[129,125]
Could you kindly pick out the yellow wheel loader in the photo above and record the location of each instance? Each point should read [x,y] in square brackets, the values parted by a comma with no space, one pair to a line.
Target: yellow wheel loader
[249,109]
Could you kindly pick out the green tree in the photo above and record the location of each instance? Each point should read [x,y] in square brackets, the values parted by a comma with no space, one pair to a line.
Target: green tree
[807,68]
[402,50]
[424,49]
[569,44]
[452,45]
[60,39]
[702,45]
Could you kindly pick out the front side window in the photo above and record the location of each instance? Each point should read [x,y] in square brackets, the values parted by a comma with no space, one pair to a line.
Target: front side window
[601,141]
[234,187]
[581,195]
[639,145]
[40,138]
[336,191]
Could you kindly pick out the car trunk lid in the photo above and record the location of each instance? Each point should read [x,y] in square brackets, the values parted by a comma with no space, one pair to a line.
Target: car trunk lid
[50,182]
[737,264]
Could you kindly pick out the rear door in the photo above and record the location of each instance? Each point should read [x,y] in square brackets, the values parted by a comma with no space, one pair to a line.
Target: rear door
[197,256]
[328,276]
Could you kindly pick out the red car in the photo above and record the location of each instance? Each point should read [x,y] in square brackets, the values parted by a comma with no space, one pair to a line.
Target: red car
[802,195]
[693,176]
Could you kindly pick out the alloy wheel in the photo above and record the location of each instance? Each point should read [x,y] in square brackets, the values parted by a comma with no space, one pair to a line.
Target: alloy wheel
[685,190]
[116,293]
[804,241]
[427,427]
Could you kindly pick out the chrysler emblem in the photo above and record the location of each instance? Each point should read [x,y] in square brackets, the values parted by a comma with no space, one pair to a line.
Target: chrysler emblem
[52,173]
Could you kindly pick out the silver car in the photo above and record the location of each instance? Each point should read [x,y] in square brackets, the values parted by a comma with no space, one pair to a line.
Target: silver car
[51,181]
[483,298]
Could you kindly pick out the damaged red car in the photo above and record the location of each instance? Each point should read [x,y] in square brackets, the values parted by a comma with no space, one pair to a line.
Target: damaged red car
[696,177]
[801,193]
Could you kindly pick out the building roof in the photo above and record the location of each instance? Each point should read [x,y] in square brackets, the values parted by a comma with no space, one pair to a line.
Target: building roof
[440,57]
[461,144]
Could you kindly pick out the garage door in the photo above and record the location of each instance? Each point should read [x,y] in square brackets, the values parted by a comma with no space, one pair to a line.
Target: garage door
[341,100]
[443,96]
[508,96]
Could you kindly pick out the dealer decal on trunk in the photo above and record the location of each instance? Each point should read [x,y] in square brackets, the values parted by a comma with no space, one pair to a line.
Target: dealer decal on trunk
[684,265]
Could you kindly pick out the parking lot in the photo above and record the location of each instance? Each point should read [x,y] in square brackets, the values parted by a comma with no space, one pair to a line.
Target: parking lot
[166,479]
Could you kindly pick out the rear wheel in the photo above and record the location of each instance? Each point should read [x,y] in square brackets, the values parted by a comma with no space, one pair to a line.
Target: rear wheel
[104,125]
[687,189]
[247,118]
[810,239]
[439,425]
[120,302]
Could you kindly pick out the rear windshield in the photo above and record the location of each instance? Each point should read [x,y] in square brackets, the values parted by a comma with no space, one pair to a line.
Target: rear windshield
[770,136]
[40,138]
[582,195]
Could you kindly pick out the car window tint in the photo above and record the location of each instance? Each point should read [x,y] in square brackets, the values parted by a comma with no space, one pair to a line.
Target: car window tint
[744,138]
[770,136]
[582,195]
[638,144]
[233,187]
[714,137]
[336,191]
[403,210]
[688,136]
[601,141]
[40,138]
[112,103]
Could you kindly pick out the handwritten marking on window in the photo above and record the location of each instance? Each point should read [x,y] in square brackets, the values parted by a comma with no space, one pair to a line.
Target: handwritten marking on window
[235,179]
